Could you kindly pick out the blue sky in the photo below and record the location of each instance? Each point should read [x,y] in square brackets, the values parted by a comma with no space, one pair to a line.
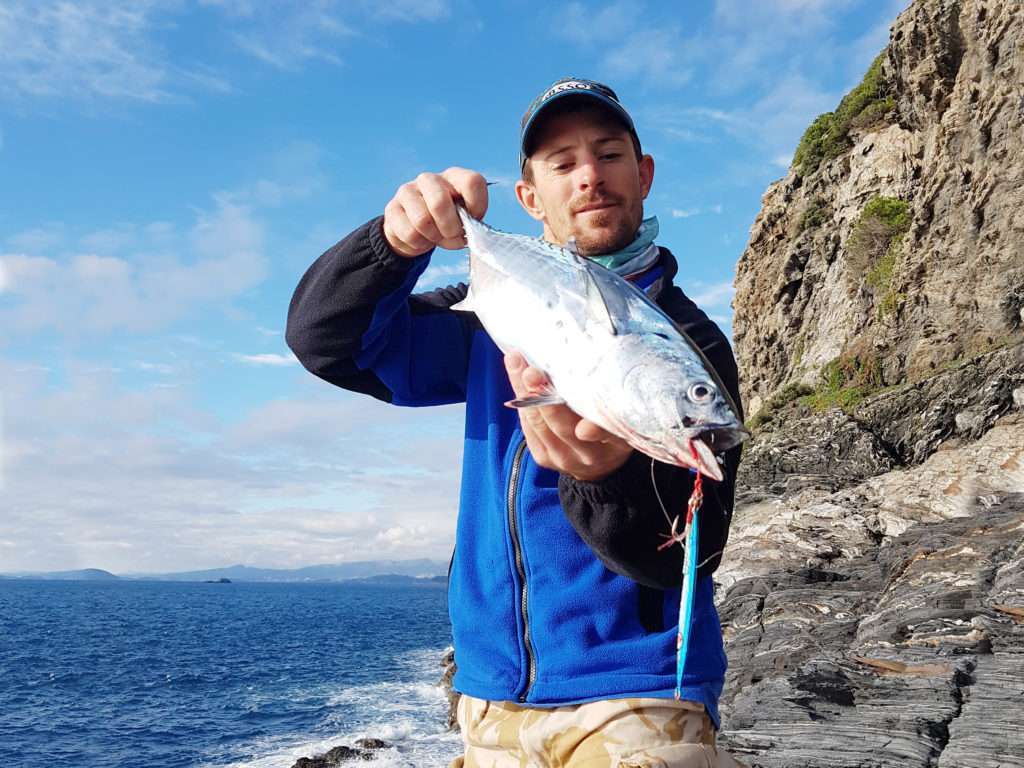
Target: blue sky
[168,169]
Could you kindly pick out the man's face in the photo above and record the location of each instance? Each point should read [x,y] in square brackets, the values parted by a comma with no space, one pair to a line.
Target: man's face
[587,182]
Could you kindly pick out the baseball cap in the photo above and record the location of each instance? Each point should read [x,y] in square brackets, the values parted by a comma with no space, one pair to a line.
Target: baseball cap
[564,88]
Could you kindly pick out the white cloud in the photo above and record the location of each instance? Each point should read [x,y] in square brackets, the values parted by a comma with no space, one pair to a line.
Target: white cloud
[657,55]
[287,34]
[149,481]
[408,10]
[686,213]
[773,124]
[116,49]
[37,239]
[89,49]
[293,173]
[217,259]
[716,295]
[268,358]
[586,26]
[443,274]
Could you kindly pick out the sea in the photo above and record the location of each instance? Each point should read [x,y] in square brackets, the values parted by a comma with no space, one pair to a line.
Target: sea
[253,675]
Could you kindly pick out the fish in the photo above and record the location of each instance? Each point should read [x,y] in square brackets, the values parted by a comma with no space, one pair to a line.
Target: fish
[609,352]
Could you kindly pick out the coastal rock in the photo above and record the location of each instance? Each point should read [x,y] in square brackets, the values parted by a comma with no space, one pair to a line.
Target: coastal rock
[800,448]
[946,142]
[364,749]
[872,592]
[447,676]
[882,625]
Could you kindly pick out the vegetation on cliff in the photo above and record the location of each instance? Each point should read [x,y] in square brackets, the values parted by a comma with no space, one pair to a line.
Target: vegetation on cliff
[864,107]
[874,245]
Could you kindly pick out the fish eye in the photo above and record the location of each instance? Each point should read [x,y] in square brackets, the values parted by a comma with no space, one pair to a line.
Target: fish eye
[700,392]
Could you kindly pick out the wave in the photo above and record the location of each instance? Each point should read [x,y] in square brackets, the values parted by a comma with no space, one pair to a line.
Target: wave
[407,712]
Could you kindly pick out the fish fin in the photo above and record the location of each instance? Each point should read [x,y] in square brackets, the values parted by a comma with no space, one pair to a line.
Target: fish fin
[468,304]
[535,400]
[597,304]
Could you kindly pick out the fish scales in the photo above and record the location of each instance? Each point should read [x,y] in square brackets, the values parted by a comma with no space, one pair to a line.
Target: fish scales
[610,353]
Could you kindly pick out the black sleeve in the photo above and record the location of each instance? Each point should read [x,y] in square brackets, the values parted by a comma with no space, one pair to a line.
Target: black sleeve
[352,318]
[620,516]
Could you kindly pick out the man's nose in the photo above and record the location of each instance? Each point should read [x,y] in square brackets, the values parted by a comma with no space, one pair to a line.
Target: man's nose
[590,173]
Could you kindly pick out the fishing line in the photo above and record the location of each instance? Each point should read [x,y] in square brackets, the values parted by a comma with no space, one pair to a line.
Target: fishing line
[689,541]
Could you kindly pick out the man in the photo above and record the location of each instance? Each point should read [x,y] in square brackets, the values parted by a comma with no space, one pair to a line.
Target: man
[563,603]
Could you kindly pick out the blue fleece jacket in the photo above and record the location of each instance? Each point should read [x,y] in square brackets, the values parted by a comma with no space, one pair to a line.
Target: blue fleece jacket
[557,593]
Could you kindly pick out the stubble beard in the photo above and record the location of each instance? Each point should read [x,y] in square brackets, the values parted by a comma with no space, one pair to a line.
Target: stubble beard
[610,230]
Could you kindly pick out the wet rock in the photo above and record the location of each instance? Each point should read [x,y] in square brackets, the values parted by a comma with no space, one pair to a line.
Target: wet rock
[448,664]
[364,749]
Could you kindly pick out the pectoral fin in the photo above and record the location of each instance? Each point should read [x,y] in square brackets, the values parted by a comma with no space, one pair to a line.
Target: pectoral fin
[534,401]
[468,304]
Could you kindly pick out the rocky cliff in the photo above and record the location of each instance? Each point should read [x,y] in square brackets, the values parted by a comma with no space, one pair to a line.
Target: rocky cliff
[872,596]
[893,246]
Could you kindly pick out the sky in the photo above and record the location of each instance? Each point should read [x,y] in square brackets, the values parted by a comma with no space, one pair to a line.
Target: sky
[170,168]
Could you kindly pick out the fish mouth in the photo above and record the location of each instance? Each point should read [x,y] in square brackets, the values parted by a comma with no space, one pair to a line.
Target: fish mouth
[722,437]
[708,441]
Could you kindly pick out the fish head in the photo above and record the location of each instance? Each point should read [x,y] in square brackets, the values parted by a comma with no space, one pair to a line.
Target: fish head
[679,414]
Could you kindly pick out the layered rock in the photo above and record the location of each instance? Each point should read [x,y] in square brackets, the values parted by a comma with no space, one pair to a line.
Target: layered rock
[883,624]
[872,593]
[946,140]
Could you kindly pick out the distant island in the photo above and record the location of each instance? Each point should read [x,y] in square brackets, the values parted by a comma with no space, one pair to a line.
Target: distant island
[422,571]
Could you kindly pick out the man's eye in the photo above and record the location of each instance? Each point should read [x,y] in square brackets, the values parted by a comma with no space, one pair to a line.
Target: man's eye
[612,155]
[562,167]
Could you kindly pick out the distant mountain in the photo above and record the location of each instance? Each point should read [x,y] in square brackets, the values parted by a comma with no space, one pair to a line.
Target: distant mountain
[422,569]
[83,574]
[339,572]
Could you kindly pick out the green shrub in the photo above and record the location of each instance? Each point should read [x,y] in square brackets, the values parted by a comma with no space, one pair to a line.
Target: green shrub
[816,214]
[775,403]
[876,239]
[889,302]
[867,105]
[847,379]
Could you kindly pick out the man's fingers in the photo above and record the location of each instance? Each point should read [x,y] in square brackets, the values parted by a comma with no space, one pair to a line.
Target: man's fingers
[419,215]
[403,237]
[438,196]
[589,432]
[471,187]
[536,380]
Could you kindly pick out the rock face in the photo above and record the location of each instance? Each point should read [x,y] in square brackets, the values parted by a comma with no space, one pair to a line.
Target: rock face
[872,593]
[800,447]
[947,142]
[883,624]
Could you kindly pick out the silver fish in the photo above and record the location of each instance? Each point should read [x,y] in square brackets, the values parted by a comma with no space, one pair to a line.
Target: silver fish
[611,354]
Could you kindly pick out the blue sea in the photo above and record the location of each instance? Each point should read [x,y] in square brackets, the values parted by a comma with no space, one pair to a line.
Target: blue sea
[163,674]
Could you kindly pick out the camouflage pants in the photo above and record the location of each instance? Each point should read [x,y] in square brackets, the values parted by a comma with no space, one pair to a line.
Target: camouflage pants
[618,733]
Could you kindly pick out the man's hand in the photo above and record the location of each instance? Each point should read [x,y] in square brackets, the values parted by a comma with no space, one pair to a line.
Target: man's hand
[557,437]
[422,213]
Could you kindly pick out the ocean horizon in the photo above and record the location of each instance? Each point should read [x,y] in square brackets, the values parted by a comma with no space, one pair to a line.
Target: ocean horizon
[241,675]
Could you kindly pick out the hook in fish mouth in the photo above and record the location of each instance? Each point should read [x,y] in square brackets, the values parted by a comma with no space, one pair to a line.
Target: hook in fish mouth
[700,456]
[704,442]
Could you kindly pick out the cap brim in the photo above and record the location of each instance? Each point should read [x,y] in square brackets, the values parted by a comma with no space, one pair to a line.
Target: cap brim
[526,132]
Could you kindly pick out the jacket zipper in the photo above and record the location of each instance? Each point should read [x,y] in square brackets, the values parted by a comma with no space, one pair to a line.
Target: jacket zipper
[513,484]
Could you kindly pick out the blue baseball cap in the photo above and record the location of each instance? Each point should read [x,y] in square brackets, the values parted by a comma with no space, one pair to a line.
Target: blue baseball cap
[577,87]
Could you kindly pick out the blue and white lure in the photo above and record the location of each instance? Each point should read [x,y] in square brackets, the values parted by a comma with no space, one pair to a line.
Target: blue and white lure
[688,538]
